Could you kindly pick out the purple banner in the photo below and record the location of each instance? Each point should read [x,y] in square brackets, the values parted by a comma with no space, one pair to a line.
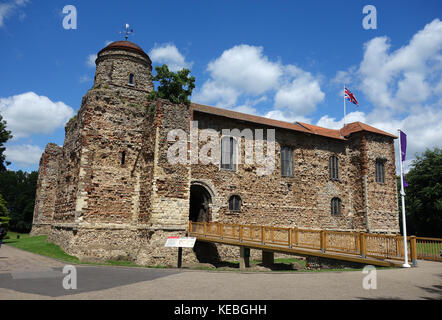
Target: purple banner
[403,138]
[403,145]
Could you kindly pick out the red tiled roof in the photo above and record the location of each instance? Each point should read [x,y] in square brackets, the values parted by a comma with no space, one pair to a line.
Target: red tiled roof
[126,45]
[248,117]
[332,133]
[359,126]
[298,126]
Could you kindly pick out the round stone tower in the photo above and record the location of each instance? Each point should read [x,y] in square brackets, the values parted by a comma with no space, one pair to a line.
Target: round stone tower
[124,64]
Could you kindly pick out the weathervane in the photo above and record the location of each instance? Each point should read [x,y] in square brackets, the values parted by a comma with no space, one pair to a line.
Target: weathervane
[127,32]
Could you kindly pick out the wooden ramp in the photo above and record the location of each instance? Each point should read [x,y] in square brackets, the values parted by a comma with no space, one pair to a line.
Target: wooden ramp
[359,247]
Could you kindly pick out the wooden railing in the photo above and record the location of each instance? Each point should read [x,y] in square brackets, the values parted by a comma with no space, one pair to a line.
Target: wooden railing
[429,248]
[354,243]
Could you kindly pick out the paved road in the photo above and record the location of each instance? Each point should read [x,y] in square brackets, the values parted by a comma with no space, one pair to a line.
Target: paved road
[25,275]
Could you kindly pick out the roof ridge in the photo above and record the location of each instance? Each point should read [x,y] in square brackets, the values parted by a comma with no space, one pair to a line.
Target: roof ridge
[340,134]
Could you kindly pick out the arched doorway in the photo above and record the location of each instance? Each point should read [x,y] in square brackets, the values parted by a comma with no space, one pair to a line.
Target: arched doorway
[200,200]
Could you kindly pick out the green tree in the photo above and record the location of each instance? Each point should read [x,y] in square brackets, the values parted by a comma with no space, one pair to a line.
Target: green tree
[4,213]
[423,200]
[18,189]
[5,135]
[176,87]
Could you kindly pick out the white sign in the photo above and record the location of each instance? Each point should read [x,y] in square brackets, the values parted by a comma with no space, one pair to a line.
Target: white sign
[180,242]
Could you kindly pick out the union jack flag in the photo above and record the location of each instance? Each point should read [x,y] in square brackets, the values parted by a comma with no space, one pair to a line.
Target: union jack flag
[350,96]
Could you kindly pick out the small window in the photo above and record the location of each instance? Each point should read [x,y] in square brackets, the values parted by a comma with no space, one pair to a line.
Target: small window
[380,172]
[235,203]
[336,207]
[131,79]
[228,153]
[287,162]
[333,168]
[123,158]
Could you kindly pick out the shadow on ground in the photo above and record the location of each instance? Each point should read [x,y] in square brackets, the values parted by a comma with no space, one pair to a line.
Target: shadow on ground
[50,283]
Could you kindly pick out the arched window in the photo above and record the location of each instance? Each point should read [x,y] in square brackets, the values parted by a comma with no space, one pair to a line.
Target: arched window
[235,203]
[228,153]
[333,168]
[380,173]
[131,79]
[336,207]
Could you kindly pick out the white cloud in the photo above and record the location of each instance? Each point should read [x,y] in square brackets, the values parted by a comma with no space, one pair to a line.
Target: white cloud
[286,116]
[29,113]
[90,61]
[7,9]
[404,86]
[244,72]
[169,54]
[403,77]
[301,95]
[23,155]
[245,109]
[222,96]
[245,68]
[332,123]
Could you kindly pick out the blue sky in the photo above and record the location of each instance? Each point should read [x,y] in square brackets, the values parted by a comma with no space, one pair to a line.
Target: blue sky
[281,59]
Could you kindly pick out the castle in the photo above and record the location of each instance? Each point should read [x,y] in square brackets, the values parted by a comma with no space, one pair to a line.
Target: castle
[111,193]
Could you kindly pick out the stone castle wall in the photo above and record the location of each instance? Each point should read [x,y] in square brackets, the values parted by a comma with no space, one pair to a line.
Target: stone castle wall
[110,192]
[46,189]
[382,197]
[303,200]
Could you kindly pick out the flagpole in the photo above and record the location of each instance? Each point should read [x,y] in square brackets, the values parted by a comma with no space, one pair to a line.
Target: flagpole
[404,224]
[344,105]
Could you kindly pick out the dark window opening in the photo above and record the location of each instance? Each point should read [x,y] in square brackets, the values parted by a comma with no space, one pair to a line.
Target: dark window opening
[380,171]
[228,153]
[336,207]
[287,162]
[333,168]
[123,158]
[235,203]
[131,79]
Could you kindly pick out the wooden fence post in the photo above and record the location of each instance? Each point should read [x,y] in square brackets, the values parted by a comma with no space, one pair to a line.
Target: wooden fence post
[296,236]
[205,229]
[263,235]
[221,231]
[399,246]
[241,230]
[323,241]
[363,244]
[413,249]
[290,237]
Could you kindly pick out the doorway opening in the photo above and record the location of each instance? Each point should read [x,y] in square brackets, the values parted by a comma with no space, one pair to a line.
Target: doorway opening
[200,200]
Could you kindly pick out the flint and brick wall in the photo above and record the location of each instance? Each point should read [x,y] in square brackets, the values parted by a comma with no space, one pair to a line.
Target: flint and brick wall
[304,200]
[46,189]
[96,205]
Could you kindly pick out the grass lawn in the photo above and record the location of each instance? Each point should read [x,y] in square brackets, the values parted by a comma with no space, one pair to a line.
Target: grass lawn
[429,248]
[39,245]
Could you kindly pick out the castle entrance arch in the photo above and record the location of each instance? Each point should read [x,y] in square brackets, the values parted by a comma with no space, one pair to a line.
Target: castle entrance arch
[200,203]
